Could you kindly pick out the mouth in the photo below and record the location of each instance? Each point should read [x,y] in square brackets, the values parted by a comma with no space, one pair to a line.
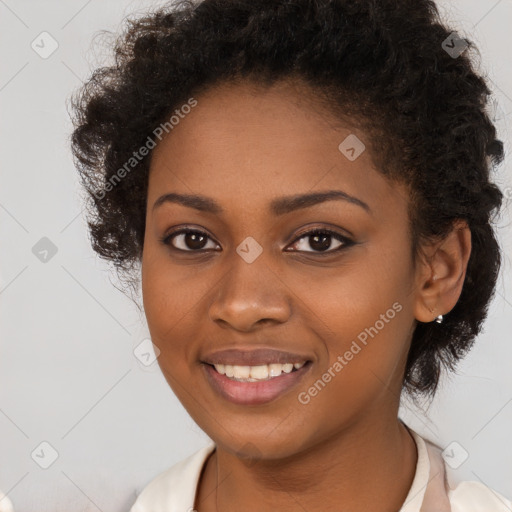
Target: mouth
[256,373]
[254,385]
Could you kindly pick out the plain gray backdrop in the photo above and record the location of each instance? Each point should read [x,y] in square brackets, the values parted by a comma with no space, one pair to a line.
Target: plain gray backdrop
[69,377]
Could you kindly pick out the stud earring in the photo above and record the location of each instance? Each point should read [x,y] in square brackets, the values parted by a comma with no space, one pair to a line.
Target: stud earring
[439,318]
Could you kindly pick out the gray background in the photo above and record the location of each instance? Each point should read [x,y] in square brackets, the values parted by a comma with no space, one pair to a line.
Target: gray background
[68,375]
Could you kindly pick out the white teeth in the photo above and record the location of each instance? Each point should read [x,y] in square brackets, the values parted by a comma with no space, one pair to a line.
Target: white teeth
[242,372]
[274,370]
[255,373]
[287,368]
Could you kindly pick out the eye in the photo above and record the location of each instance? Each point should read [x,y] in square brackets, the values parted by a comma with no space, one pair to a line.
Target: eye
[188,240]
[193,240]
[321,239]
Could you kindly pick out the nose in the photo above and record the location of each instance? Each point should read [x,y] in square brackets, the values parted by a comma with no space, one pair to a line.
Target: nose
[250,294]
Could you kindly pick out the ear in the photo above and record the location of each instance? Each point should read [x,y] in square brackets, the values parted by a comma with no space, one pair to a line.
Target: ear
[440,275]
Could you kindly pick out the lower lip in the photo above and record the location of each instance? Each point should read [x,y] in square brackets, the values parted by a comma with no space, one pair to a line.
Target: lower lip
[253,393]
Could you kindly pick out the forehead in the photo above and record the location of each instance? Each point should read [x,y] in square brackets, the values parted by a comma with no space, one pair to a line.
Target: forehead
[247,143]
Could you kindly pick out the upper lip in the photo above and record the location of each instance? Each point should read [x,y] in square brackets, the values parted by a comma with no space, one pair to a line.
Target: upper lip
[253,357]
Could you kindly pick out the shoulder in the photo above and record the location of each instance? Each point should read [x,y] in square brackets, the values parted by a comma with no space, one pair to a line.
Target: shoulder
[466,495]
[174,488]
[472,496]
[5,503]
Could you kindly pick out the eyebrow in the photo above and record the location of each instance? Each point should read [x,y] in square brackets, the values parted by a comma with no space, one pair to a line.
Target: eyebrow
[279,206]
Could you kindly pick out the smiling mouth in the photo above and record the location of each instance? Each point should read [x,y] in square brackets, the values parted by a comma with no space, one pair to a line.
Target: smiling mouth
[255,385]
[257,373]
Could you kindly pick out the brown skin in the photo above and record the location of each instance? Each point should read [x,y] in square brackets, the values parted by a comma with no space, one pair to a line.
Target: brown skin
[243,147]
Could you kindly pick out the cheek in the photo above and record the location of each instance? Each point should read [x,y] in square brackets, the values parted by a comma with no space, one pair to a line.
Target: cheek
[364,359]
[169,291]
[174,306]
[166,303]
[166,299]
[366,312]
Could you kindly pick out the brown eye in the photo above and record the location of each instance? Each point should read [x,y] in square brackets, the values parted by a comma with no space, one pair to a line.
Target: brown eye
[188,240]
[320,240]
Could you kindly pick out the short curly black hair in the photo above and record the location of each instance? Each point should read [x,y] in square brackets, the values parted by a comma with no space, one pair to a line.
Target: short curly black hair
[392,65]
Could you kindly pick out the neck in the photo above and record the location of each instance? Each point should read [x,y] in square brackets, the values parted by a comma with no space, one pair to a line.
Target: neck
[370,462]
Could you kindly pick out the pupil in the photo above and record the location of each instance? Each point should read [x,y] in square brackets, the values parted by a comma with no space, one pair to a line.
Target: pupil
[324,241]
[192,240]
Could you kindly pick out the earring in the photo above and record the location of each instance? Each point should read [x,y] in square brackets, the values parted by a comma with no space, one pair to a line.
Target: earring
[439,318]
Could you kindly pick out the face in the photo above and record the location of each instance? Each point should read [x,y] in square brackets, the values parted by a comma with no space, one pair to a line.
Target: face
[263,282]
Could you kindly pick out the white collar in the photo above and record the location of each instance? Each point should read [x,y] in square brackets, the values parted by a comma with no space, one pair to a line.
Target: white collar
[429,488]
[175,489]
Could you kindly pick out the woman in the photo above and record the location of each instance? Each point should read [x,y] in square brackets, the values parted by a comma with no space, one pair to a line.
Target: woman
[304,189]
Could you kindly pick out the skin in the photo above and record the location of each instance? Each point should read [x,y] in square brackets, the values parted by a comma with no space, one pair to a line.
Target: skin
[244,146]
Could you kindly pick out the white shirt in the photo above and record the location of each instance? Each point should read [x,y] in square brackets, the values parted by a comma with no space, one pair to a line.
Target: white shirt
[434,487]
[5,503]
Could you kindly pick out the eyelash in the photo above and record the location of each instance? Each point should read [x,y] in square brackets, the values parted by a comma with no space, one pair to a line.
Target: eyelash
[346,242]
